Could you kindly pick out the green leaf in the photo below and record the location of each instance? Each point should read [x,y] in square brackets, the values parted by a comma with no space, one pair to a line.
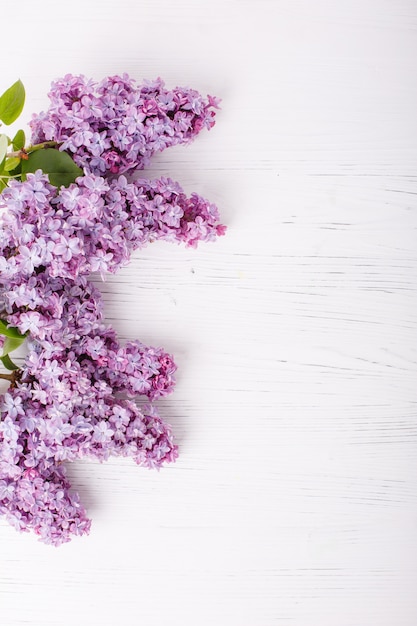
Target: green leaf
[8,363]
[3,147]
[12,332]
[11,163]
[11,102]
[19,140]
[59,166]
[12,343]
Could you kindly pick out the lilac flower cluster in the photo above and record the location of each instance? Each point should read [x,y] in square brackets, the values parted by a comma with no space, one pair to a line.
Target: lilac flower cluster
[75,394]
[95,224]
[116,125]
[74,398]
[68,405]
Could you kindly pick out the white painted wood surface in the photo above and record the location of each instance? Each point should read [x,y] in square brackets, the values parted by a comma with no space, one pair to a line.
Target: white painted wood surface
[294,500]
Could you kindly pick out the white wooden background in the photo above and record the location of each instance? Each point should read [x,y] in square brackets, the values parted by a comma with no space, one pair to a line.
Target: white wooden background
[294,500]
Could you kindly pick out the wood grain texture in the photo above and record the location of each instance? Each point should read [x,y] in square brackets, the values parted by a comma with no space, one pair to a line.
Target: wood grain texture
[294,500]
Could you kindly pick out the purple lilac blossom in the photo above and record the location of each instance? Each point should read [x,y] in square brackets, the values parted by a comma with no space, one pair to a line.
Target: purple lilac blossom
[75,394]
[43,503]
[69,405]
[116,125]
[94,225]
[51,239]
